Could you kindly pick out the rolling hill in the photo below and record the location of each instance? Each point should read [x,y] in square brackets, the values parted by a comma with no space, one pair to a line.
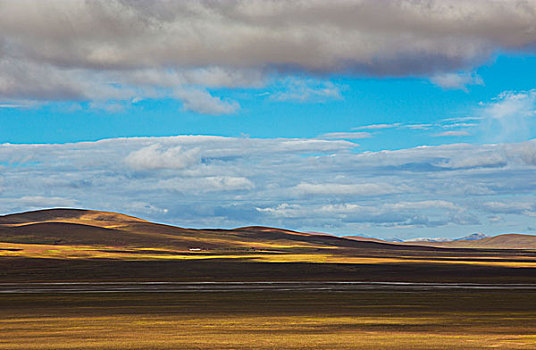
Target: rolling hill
[87,227]
[75,244]
[98,228]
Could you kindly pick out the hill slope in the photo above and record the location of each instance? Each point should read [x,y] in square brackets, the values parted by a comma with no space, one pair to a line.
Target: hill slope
[88,227]
[76,226]
[74,244]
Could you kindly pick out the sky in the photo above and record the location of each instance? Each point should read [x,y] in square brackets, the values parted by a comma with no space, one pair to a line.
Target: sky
[396,119]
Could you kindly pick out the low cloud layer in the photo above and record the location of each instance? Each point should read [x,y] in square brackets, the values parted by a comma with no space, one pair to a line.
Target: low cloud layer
[121,50]
[305,184]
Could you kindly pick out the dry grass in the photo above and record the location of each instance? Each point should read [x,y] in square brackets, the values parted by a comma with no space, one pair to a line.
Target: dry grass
[330,256]
[428,320]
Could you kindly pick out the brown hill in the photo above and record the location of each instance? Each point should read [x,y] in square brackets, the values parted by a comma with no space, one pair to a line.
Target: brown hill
[87,227]
[74,244]
[88,217]
[99,228]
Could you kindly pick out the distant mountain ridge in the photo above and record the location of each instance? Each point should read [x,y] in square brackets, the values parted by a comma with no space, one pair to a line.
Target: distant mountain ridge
[479,240]
[471,237]
[475,240]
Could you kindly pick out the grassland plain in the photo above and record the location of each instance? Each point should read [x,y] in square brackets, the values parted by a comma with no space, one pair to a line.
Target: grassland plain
[276,320]
[85,246]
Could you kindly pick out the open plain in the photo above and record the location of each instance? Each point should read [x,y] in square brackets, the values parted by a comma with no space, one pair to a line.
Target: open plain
[72,279]
[400,319]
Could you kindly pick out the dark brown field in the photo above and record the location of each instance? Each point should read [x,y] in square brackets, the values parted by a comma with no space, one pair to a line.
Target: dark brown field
[276,320]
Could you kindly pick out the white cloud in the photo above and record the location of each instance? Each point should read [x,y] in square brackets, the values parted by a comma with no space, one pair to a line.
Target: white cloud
[513,207]
[510,116]
[510,104]
[495,218]
[425,205]
[453,133]
[363,189]
[481,159]
[345,135]
[456,80]
[206,184]
[146,208]
[337,211]
[12,105]
[306,90]
[378,126]
[525,152]
[204,103]
[419,126]
[286,210]
[459,125]
[154,157]
[217,77]
[401,214]
[38,202]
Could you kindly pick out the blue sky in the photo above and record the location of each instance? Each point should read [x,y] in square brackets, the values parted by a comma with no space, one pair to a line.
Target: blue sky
[308,130]
[359,101]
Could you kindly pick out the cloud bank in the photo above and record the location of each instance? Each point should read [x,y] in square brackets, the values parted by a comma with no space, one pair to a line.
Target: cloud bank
[306,184]
[121,50]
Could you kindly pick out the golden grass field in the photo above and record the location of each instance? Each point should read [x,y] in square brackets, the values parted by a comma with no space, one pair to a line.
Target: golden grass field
[256,320]
[293,255]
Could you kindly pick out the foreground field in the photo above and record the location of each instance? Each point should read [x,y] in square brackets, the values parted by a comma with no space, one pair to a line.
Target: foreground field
[274,320]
